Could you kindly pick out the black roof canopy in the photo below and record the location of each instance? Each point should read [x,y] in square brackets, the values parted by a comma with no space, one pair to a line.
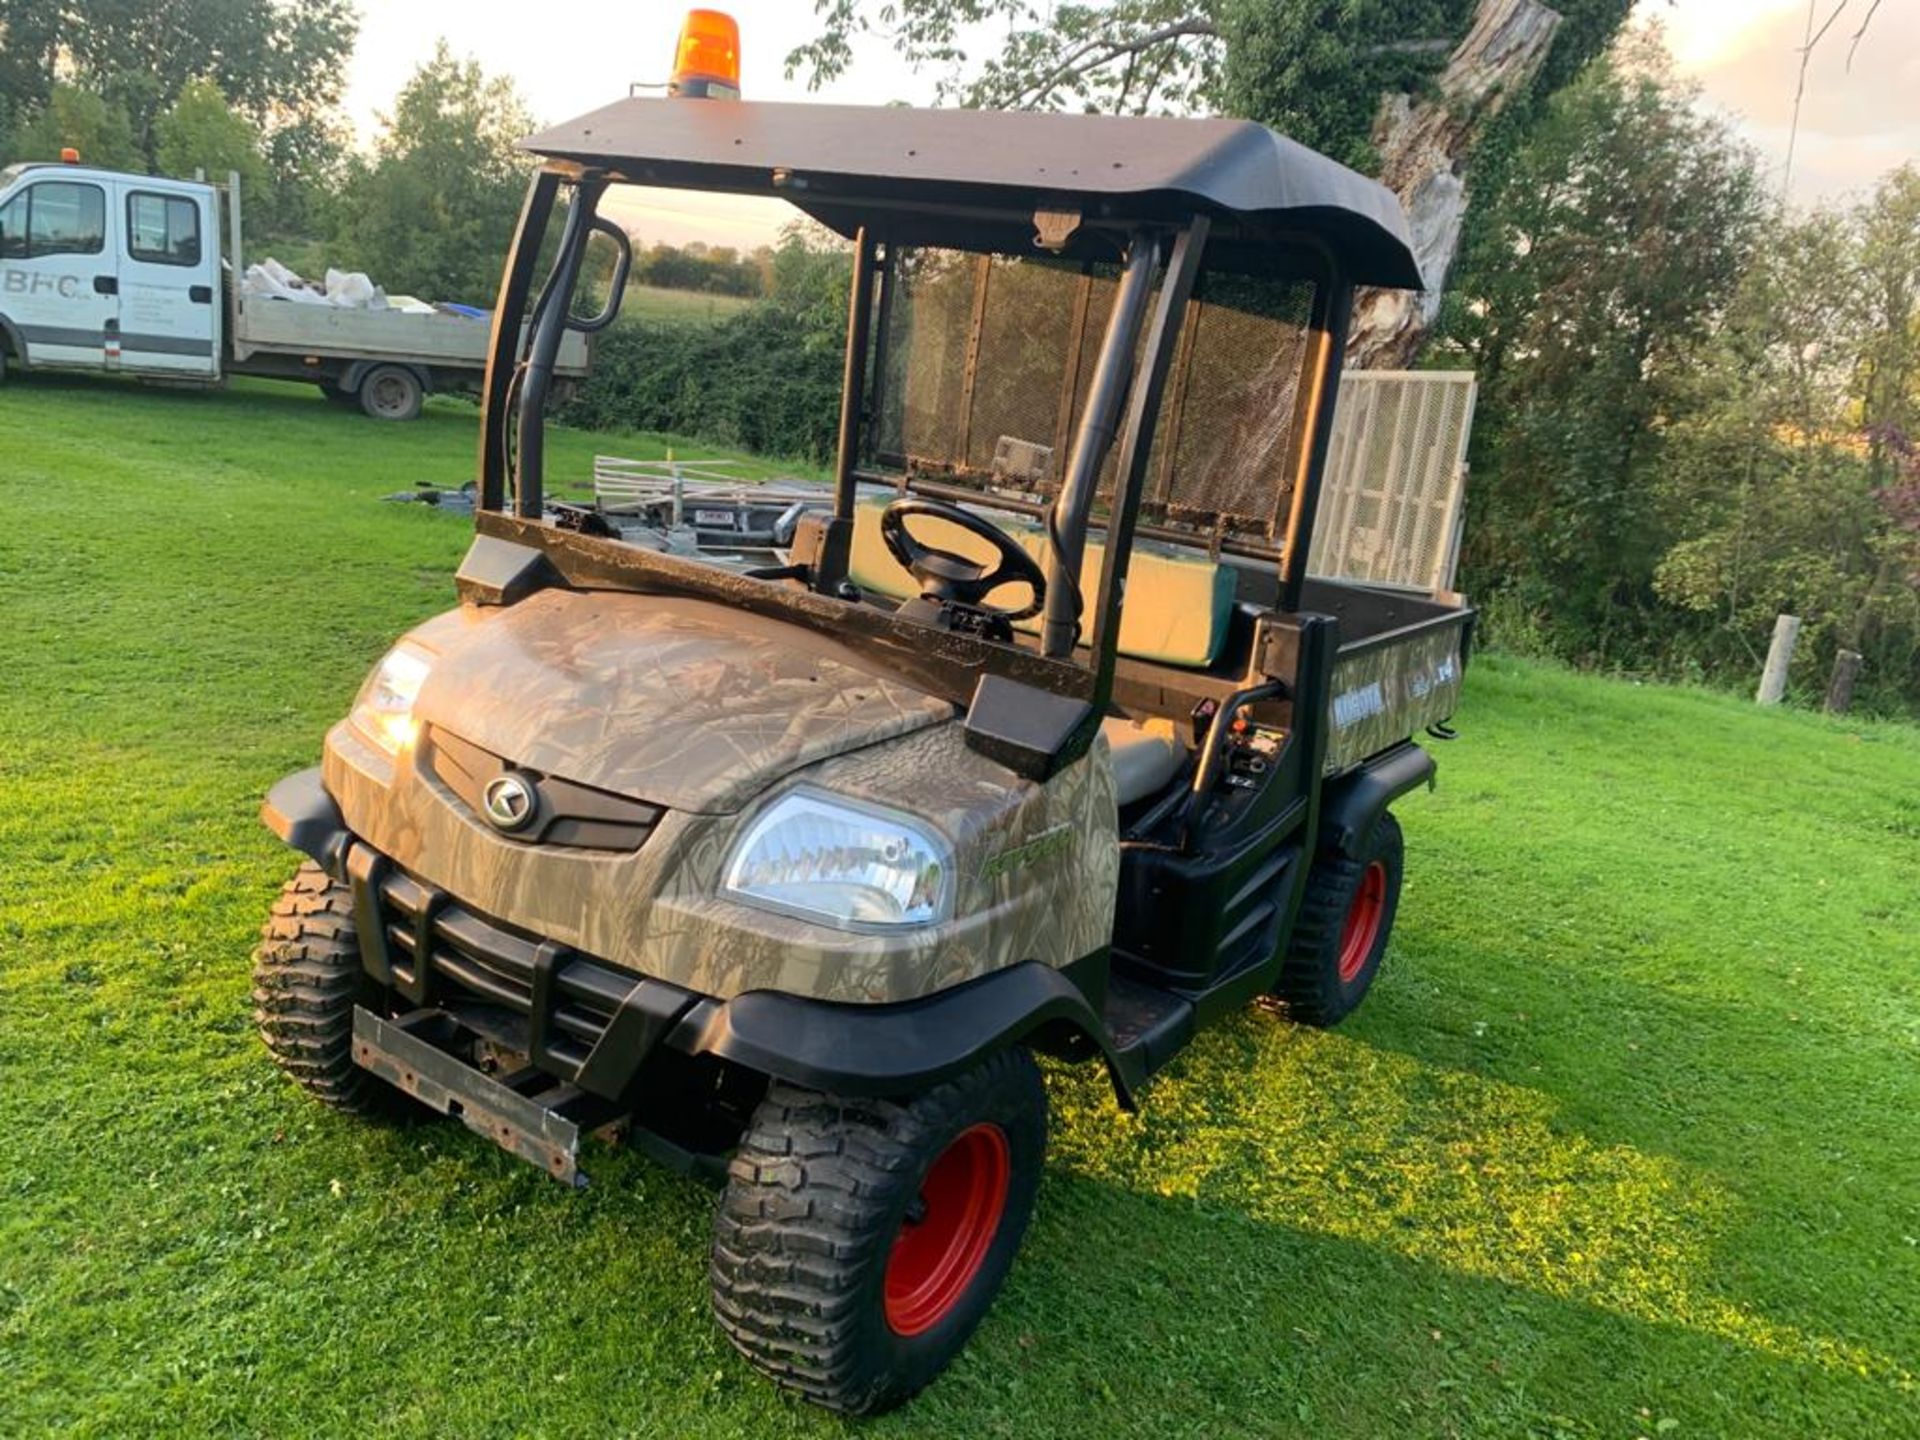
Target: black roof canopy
[973,178]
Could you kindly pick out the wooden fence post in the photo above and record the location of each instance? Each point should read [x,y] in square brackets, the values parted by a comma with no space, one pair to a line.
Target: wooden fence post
[1773,680]
[1846,669]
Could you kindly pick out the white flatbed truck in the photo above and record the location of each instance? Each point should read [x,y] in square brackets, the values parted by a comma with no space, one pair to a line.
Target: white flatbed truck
[108,271]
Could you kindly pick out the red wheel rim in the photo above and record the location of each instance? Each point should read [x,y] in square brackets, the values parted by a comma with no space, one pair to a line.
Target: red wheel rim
[937,1253]
[1362,927]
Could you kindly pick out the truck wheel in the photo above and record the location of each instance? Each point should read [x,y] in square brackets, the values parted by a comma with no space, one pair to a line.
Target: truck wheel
[860,1241]
[391,392]
[1341,935]
[307,978]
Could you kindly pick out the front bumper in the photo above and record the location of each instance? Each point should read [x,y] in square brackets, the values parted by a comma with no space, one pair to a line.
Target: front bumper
[597,1026]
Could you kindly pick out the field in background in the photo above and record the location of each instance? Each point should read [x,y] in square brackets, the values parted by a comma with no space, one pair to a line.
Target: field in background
[1624,1144]
[309,258]
[650,302]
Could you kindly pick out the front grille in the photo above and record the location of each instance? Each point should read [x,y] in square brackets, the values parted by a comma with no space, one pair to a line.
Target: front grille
[487,962]
[575,1017]
[568,814]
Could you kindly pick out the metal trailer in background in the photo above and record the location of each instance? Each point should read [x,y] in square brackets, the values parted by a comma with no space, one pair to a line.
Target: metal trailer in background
[1394,495]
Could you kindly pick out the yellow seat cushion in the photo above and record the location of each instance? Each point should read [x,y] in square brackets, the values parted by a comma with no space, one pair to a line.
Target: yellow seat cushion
[1177,606]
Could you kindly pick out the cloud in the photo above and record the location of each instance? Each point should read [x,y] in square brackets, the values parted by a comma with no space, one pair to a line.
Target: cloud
[1856,123]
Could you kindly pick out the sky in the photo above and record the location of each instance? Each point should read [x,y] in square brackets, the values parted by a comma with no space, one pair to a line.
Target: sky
[1855,123]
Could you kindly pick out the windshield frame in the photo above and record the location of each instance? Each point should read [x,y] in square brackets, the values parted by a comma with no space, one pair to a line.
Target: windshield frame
[1077,663]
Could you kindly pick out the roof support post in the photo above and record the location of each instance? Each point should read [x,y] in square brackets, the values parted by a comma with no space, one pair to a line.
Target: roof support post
[503,347]
[1136,445]
[551,315]
[1067,521]
[824,545]
[853,379]
[1332,309]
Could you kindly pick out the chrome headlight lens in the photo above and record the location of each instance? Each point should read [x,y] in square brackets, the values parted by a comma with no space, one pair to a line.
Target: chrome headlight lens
[384,710]
[855,867]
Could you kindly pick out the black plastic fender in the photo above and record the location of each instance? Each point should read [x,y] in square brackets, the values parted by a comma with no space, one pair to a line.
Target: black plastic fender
[895,1049]
[1351,803]
[300,811]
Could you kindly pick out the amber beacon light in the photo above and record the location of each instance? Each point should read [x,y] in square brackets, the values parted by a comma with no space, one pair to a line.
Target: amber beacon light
[706,64]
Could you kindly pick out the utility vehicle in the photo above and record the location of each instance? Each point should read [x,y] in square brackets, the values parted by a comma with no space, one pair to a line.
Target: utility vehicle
[787,874]
[108,271]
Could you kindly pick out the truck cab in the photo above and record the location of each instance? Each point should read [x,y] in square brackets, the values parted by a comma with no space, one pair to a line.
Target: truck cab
[106,271]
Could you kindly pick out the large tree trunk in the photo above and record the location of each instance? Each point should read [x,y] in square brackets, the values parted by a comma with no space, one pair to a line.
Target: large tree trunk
[1424,145]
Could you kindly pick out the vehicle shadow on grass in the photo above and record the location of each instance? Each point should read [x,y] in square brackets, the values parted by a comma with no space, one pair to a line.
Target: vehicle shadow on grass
[1806,1115]
[1139,1314]
[1289,1193]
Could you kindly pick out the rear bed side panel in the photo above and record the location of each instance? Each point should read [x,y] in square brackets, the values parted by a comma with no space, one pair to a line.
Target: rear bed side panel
[1388,689]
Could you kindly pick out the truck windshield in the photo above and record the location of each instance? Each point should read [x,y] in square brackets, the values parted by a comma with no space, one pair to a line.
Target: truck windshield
[986,364]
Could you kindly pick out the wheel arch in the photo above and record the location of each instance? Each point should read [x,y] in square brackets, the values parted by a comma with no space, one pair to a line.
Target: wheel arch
[895,1049]
[12,341]
[1353,803]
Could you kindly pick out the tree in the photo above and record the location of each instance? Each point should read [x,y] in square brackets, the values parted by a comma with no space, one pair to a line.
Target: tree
[76,118]
[280,63]
[1791,479]
[1411,89]
[29,46]
[435,208]
[202,132]
[1584,296]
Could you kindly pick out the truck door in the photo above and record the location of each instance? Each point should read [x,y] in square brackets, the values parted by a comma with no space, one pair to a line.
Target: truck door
[169,292]
[58,287]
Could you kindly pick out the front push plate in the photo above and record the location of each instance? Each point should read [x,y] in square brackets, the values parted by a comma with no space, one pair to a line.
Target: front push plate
[515,1122]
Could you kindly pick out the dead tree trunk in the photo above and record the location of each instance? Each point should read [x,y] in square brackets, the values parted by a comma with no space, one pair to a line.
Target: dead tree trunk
[1424,144]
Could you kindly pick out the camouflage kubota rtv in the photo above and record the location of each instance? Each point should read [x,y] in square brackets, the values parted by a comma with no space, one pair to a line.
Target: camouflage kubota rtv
[1038,738]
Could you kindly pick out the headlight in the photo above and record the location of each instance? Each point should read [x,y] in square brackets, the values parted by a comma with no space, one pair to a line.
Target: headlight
[851,866]
[384,711]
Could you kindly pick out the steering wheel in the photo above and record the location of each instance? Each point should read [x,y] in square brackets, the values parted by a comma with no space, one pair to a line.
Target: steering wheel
[945,576]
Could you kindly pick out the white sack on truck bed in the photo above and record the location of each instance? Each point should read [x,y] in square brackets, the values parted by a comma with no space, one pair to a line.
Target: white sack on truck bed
[343,289]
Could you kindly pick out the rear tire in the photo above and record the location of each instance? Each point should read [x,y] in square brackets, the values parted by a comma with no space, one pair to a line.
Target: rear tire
[1340,937]
[391,392]
[307,978]
[860,1242]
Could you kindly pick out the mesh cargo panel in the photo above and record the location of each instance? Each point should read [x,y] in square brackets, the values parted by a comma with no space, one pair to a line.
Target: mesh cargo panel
[985,384]
[1390,504]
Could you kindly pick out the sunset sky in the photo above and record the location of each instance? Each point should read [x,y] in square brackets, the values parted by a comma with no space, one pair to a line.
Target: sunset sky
[1855,124]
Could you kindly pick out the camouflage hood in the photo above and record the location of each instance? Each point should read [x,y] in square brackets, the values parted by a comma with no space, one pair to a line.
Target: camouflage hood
[673,701]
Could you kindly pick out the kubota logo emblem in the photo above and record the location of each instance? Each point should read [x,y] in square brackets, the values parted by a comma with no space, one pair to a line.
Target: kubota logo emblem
[510,801]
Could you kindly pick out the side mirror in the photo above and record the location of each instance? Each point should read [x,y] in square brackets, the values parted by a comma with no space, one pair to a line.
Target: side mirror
[617,286]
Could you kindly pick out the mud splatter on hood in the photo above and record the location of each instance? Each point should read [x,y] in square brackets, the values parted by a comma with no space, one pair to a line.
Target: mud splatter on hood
[674,701]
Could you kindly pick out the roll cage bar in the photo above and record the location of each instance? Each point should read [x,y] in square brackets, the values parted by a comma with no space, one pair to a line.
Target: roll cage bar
[1119,418]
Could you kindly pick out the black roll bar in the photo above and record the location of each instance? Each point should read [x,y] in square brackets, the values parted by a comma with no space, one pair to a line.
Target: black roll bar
[503,345]
[1313,418]
[1136,445]
[1067,521]
[552,316]
[854,374]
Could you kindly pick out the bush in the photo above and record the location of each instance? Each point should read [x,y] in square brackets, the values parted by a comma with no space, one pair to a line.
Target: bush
[766,379]
[754,381]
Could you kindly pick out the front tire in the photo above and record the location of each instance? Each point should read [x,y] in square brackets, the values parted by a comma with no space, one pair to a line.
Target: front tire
[860,1242]
[307,978]
[1340,937]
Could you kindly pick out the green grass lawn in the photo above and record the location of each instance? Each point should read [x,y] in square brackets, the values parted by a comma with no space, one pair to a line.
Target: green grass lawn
[1627,1141]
